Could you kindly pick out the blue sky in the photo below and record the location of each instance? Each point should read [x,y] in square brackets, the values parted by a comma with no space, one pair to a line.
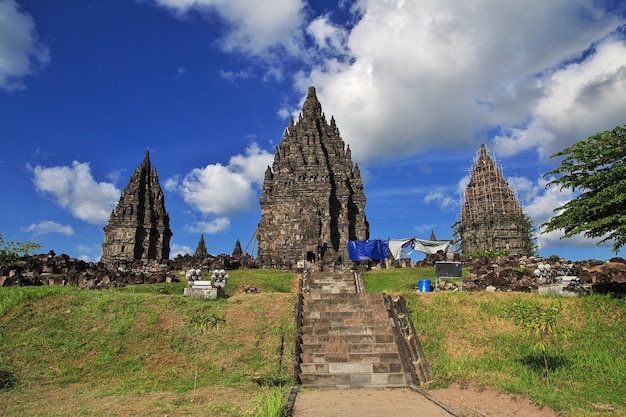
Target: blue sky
[208,86]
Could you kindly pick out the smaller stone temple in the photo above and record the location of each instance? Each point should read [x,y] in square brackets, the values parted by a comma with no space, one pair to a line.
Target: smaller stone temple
[237,251]
[139,227]
[201,250]
[312,201]
[492,219]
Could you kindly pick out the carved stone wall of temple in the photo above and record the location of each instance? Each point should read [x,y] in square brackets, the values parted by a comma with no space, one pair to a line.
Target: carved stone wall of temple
[492,219]
[139,227]
[312,201]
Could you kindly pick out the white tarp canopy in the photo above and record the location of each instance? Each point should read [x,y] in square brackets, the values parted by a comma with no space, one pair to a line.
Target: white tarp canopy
[400,247]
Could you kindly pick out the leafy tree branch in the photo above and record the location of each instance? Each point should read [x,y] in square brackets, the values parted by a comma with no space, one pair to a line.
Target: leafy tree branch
[595,168]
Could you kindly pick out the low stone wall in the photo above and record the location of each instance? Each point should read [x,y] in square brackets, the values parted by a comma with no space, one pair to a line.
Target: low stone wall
[510,273]
[52,269]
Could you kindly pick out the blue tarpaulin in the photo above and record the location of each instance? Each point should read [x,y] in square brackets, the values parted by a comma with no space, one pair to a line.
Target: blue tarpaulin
[362,250]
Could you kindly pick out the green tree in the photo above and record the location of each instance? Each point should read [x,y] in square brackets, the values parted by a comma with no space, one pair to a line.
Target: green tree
[596,170]
[538,322]
[11,251]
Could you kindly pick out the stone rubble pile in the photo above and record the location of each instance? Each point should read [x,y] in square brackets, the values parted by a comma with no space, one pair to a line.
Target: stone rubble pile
[528,273]
[53,269]
[50,269]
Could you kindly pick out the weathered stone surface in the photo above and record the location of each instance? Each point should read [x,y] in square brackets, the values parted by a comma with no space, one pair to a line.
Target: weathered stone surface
[208,293]
[237,251]
[139,227]
[201,250]
[492,219]
[87,275]
[312,201]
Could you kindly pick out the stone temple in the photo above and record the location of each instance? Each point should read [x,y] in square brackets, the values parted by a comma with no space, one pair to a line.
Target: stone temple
[492,219]
[139,227]
[312,201]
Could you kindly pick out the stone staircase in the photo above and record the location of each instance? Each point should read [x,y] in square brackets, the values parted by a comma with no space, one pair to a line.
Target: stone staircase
[348,339]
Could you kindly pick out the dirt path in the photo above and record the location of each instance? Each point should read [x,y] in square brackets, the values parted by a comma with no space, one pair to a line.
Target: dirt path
[468,402]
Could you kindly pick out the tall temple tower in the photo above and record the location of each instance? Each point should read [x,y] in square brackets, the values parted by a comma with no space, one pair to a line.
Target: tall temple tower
[139,227]
[312,201]
[492,219]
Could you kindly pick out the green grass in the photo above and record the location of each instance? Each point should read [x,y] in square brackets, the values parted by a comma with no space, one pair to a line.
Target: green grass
[400,279]
[146,350]
[467,336]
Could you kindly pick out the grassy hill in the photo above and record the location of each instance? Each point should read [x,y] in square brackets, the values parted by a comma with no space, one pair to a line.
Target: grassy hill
[148,350]
[468,336]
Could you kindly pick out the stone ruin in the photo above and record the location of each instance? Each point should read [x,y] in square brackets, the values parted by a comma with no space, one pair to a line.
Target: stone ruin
[237,251]
[534,274]
[201,250]
[492,219]
[53,269]
[210,289]
[312,201]
[139,227]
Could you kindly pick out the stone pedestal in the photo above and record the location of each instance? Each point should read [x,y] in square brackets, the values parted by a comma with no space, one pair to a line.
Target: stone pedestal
[201,292]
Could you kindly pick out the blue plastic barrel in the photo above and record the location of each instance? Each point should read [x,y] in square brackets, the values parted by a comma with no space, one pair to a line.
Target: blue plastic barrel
[424,285]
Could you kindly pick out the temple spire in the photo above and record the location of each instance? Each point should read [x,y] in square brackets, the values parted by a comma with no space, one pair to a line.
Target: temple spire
[139,226]
[312,201]
[492,219]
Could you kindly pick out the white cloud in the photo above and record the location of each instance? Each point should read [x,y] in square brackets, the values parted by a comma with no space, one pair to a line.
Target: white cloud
[541,206]
[21,53]
[328,37]
[443,73]
[254,27]
[424,229]
[542,202]
[233,76]
[46,226]
[88,253]
[212,227]
[74,188]
[402,77]
[182,250]
[253,164]
[217,190]
[443,200]
[525,189]
[578,100]
[222,190]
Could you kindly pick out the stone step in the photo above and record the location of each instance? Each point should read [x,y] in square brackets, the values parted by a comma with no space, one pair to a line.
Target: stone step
[348,338]
[368,329]
[321,292]
[343,319]
[342,300]
[332,280]
[353,380]
[359,312]
[388,351]
[355,367]
[335,297]
[349,322]
[369,357]
[344,311]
